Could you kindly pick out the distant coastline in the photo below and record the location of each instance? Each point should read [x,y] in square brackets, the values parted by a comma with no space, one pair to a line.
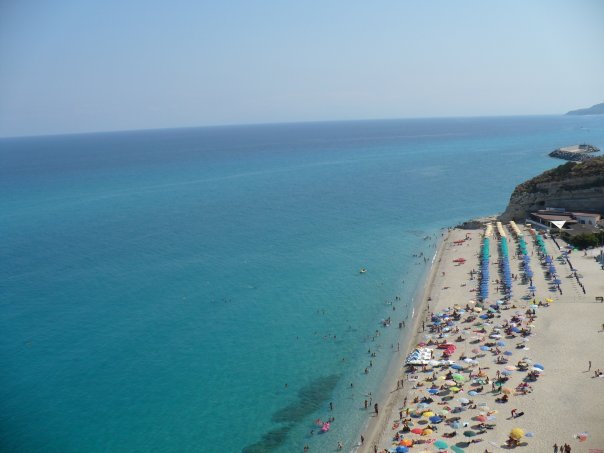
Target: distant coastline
[597,109]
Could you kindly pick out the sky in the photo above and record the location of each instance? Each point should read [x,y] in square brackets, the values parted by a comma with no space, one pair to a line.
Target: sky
[71,66]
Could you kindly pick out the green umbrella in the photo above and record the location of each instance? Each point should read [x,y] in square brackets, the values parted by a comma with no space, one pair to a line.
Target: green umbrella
[458,377]
[441,444]
[469,433]
[457,449]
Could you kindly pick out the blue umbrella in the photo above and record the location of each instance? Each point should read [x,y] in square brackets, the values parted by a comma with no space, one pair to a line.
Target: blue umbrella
[501,343]
[557,282]
[455,366]
[402,449]
[472,393]
[508,353]
[435,419]
[433,391]
[484,316]
[506,372]
[516,330]
[532,288]
[456,425]
[485,348]
[539,366]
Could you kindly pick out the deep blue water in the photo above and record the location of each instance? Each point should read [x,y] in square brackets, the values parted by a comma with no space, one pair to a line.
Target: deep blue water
[160,288]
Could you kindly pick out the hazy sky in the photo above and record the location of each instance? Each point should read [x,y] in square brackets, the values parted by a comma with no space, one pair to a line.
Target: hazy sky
[91,65]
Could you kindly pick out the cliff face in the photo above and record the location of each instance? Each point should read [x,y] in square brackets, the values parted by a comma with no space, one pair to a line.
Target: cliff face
[574,186]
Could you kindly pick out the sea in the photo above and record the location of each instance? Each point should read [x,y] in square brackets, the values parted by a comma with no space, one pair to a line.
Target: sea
[199,289]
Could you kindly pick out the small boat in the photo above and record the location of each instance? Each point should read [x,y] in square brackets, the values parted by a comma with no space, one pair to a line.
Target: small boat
[325,427]
[363,270]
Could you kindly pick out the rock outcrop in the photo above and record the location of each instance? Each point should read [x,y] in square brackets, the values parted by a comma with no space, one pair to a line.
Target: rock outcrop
[574,186]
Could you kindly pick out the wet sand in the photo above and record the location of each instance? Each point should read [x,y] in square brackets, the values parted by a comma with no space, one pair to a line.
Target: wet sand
[566,400]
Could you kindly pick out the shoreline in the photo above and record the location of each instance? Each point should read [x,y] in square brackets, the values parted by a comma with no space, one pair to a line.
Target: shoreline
[375,427]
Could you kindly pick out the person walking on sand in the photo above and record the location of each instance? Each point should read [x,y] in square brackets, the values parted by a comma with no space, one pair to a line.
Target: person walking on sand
[375,407]
[555,448]
[514,413]
[589,369]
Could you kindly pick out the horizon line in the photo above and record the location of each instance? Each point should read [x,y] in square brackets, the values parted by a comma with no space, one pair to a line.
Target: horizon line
[269,123]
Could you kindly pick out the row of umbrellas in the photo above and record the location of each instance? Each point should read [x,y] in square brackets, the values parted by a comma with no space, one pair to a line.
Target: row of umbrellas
[484,269]
[505,265]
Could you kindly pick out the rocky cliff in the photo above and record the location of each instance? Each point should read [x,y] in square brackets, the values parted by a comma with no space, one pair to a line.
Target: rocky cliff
[574,186]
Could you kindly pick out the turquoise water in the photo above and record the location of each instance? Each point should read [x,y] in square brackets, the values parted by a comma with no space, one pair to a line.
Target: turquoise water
[160,288]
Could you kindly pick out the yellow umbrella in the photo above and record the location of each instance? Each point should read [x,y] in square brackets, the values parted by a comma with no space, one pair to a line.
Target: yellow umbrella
[455,389]
[549,300]
[517,434]
[427,432]
[428,414]
[477,309]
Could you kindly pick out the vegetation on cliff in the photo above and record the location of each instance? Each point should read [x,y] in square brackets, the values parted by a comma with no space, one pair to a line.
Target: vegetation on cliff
[568,172]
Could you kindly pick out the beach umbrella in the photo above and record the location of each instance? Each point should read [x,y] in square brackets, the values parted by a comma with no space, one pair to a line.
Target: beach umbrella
[508,353]
[406,443]
[463,400]
[468,360]
[441,444]
[485,348]
[511,368]
[501,343]
[433,391]
[435,419]
[427,432]
[506,372]
[529,434]
[472,393]
[416,430]
[428,414]
[458,378]
[456,367]
[402,449]
[507,390]
[469,433]
[517,433]
[539,366]
[481,418]
[456,425]
[557,281]
[457,449]
[455,389]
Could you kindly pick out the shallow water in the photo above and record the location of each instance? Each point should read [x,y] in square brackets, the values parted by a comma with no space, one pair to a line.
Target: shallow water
[160,288]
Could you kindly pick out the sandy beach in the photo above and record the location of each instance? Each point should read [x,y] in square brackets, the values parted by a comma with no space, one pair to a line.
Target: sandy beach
[562,345]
